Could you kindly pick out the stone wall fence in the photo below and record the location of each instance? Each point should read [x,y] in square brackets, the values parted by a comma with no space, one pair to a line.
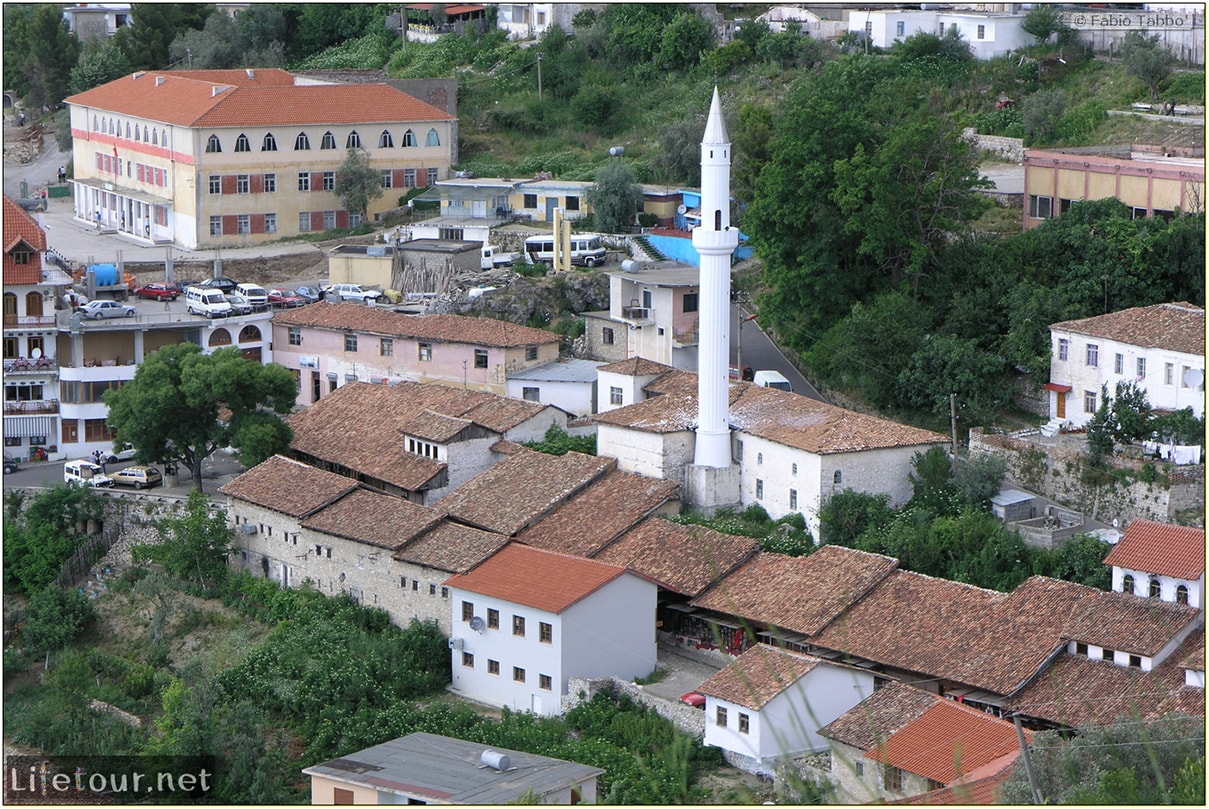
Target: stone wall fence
[1008,149]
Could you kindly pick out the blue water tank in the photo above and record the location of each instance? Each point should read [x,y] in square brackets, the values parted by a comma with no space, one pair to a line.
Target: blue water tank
[104,275]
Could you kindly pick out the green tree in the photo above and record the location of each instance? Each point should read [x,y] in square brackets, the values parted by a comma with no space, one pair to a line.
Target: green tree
[1079,559]
[978,479]
[1043,22]
[946,365]
[54,618]
[846,515]
[192,547]
[1147,58]
[171,409]
[153,27]
[1101,430]
[679,157]
[1131,412]
[1180,427]
[53,51]
[17,18]
[930,481]
[42,533]
[99,64]
[357,182]
[215,46]
[751,148]
[686,39]
[598,107]
[1041,113]
[615,196]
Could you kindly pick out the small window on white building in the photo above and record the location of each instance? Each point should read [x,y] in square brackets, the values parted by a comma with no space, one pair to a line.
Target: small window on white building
[531,394]
[1093,355]
[1089,401]
[1063,349]
[1118,364]
[759,489]
[615,396]
[1141,368]
[838,478]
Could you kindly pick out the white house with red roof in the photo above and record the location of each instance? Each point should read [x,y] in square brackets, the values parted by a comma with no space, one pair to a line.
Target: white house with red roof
[1158,560]
[1160,348]
[772,702]
[526,620]
[218,158]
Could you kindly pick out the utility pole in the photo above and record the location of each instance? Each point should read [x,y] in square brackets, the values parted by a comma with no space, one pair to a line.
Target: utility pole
[1028,762]
[539,79]
[953,420]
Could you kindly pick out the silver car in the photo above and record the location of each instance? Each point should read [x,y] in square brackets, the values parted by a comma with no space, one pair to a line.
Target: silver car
[239,304]
[95,310]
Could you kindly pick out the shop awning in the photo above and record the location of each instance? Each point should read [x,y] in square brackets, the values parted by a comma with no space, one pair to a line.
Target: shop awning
[1056,388]
[26,426]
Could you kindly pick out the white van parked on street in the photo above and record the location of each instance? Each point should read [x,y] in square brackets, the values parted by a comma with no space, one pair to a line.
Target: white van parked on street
[208,302]
[586,251]
[772,379]
[256,296]
[85,473]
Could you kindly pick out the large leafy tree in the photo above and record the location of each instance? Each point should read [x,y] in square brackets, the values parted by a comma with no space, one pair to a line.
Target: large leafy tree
[183,405]
[99,64]
[1147,58]
[192,547]
[52,53]
[153,27]
[357,182]
[615,196]
[1044,21]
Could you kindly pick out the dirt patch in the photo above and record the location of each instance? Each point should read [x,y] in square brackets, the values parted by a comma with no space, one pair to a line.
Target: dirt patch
[267,270]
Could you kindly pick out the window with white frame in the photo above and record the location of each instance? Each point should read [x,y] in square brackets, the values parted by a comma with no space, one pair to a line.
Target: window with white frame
[981,32]
[302,143]
[269,144]
[1093,355]
[215,184]
[243,223]
[270,223]
[294,336]
[409,178]
[350,342]
[353,141]
[304,181]
[270,183]
[388,178]
[615,396]
[1141,368]
[329,220]
[409,138]
[243,184]
[480,358]
[1063,349]
[433,138]
[213,145]
[328,142]
[1089,401]
[329,181]
[759,489]
[215,225]
[531,394]
[242,144]
[1040,207]
[304,221]
[386,347]
[1118,364]
[425,352]
[433,176]
[1169,373]
[385,141]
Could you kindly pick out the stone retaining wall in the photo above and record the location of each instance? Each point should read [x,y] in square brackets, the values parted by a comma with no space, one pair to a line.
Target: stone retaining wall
[1009,149]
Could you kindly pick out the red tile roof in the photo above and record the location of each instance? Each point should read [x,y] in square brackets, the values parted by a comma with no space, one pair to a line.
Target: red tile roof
[437,328]
[874,720]
[636,366]
[536,578]
[686,559]
[596,516]
[1173,326]
[1162,549]
[360,426]
[521,489]
[20,227]
[947,741]
[799,594]
[758,675]
[979,787]
[373,518]
[195,99]
[288,486]
[786,418]
[451,547]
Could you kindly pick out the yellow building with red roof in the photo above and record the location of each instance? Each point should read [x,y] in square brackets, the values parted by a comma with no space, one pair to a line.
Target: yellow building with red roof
[227,158]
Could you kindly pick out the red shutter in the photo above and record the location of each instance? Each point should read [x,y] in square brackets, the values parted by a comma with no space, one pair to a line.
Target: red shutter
[341,219]
[422,177]
[316,180]
[256,184]
[228,183]
[397,177]
[316,220]
[230,224]
[258,223]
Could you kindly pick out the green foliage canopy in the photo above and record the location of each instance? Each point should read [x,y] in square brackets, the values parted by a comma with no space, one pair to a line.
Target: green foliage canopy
[1147,58]
[357,181]
[615,196]
[192,547]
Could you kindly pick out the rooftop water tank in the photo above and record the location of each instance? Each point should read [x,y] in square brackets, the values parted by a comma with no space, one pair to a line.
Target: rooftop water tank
[104,275]
[499,761]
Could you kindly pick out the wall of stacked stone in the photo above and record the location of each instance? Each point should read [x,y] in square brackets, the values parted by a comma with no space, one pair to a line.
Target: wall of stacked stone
[138,515]
[1053,472]
[1030,397]
[1009,149]
[686,718]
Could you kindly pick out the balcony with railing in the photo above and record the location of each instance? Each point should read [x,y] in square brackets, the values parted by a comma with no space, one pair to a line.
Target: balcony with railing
[20,366]
[686,337]
[32,408]
[29,321]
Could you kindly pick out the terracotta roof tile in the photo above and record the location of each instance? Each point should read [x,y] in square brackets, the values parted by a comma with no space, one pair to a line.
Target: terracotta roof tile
[451,548]
[786,418]
[636,366]
[536,578]
[874,720]
[1077,691]
[686,559]
[521,489]
[194,98]
[288,486]
[947,741]
[358,426]
[434,426]
[1173,326]
[756,676]
[599,514]
[799,594]
[373,518]
[980,787]
[19,227]
[1166,550]
[437,328]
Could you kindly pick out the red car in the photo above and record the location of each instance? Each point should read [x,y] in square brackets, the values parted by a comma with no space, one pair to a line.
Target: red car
[693,699]
[285,298]
[158,292]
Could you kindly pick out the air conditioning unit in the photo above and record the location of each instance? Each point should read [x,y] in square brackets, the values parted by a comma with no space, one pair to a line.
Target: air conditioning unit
[455,644]
[248,528]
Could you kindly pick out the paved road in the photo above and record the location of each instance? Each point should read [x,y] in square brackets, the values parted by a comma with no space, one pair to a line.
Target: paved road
[217,470]
[761,353]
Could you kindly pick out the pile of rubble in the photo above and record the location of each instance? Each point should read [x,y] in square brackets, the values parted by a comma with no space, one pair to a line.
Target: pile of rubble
[25,147]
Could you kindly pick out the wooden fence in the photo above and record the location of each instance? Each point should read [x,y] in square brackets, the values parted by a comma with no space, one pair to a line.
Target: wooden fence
[75,569]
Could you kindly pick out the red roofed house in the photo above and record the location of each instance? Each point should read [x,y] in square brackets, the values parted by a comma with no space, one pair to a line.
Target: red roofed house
[1157,560]
[216,158]
[1160,348]
[904,741]
[771,703]
[31,372]
[526,620]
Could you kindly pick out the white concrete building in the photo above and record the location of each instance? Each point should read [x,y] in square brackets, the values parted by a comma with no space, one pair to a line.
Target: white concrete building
[988,34]
[527,620]
[1157,560]
[653,314]
[1160,348]
[771,702]
[568,384]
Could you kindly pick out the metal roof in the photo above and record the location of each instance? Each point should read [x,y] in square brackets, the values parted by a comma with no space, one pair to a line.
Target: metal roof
[572,370]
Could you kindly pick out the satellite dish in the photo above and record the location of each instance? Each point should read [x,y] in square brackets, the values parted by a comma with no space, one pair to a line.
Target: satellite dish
[1116,523]
[476,623]
[36,353]
[1193,377]
[682,209]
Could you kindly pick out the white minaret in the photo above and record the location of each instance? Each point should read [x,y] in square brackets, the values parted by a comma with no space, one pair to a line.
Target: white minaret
[715,241]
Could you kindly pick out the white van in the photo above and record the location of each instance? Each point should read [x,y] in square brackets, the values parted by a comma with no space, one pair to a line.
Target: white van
[256,296]
[85,473]
[209,302]
[586,251]
[772,379]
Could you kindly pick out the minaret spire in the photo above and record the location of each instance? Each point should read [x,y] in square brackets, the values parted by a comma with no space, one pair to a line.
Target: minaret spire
[715,241]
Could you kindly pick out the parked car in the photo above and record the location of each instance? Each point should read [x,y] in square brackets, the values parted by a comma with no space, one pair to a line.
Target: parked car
[694,700]
[11,464]
[239,304]
[255,295]
[85,473]
[285,298]
[158,292]
[95,310]
[311,294]
[351,292]
[140,477]
[123,453]
[224,285]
